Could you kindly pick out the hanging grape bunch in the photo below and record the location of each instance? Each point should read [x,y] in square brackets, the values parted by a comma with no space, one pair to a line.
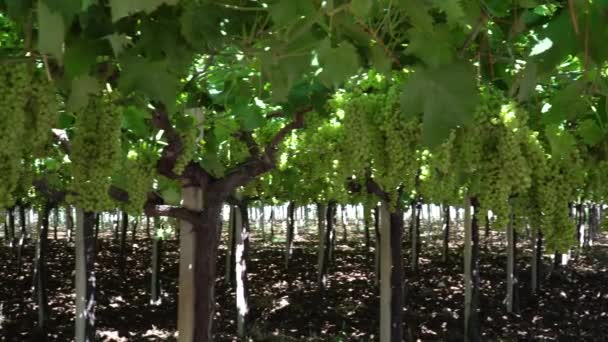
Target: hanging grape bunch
[95,153]
[14,81]
[42,112]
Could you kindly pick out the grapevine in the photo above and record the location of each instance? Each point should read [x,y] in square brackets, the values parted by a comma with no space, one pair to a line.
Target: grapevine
[43,112]
[95,153]
[14,80]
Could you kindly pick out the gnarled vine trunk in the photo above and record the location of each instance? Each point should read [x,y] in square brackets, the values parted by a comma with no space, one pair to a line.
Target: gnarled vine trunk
[205,259]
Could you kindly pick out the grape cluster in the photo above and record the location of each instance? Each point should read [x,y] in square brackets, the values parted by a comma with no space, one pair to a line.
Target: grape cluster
[360,133]
[439,181]
[137,174]
[491,152]
[42,111]
[95,154]
[14,80]
[188,139]
[402,141]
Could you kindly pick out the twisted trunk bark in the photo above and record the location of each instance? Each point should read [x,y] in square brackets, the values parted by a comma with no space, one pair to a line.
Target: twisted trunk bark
[205,259]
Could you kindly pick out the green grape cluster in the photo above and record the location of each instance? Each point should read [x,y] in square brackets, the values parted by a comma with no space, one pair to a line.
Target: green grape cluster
[402,141]
[95,154]
[14,80]
[360,136]
[491,152]
[439,181]
[538,162]
[562,181]
[43,112]
[189,141]
[138,178]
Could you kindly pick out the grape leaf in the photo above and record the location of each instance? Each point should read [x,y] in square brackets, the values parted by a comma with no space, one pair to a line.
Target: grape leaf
[283,72]
[122,8]
[171,195]
[446,96]
[51,31]
[560,140]
[82,87]
[18,9]
[134,120]
[590,132]
[564,43]
[434,47]
[527,82]
[66,120]
[88,3]
[80,56]
[338,63]
[248,115]
[453,10]
[118,42]
[379,59]
[159,85]
[200,25]
[361,8]
[67,8]
[288,12]
[418,13]
[567,103]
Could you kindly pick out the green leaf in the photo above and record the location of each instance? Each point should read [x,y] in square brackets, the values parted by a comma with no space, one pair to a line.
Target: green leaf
[124,8]
[498,8]
[289,12]
[338,63]
[118,42]
[18,9]
[283,72]
[200,25]
[434,47]
[80,56]
[134,120]
[51,31]
[560,140]
[590,132]
[418,13]
[527,82]
[66,120]
[453,10]
[283,13]
[249,115]
[88,3]
[379,59]
[567,103]
[152,79]
[447,97]
[171,195]
[51,164]
[82,88]
[67,8]
[211,163]
[564,43]
[361,8]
